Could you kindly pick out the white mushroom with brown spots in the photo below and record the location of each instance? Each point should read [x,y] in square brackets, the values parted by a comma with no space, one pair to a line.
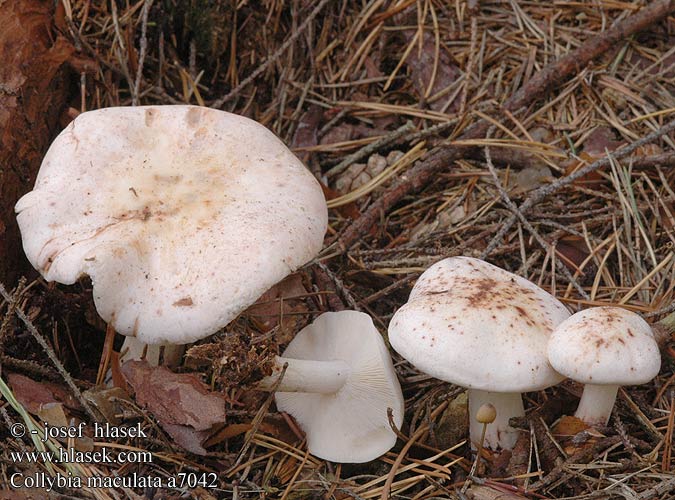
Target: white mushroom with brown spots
[604,348]
[478,326]
[338,384]
[181,215]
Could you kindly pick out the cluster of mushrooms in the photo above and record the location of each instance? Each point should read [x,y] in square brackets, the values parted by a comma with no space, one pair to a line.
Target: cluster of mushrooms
[182,216]
[497,334]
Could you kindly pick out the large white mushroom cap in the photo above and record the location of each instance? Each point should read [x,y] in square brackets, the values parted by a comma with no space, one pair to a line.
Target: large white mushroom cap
[478,326]
[350,425]
[605,345]
[181,215]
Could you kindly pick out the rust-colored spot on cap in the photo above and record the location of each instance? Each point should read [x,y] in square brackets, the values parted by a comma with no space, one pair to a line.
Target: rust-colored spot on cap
[184,302]
[150,115]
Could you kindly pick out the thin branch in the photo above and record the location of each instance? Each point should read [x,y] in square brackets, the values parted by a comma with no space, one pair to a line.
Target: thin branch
[340,287]
[144,49]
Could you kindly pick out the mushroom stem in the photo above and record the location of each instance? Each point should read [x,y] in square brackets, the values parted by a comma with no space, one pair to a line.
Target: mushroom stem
[596,403]
[499,433]
[304,375]
[134,349]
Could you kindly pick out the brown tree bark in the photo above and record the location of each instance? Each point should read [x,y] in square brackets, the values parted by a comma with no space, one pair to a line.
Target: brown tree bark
[33,93]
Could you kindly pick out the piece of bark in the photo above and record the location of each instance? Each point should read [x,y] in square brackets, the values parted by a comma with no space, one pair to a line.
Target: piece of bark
[520,459]
[548,412]
[554,74]
[33,94]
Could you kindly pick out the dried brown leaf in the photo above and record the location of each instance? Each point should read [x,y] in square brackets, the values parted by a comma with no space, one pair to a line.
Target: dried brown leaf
[306,133]
[187,437]
[575,435]
[174,398]
[107,401]
[32,395]
[421,65]
[53,414]
[572,165]
[601,139]
[569,426]
[340,133]
[574,250]
[533,177]
[283,306]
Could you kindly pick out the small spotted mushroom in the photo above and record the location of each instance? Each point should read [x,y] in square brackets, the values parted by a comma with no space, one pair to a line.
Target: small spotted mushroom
[182,216]
[604,348]
[478,326]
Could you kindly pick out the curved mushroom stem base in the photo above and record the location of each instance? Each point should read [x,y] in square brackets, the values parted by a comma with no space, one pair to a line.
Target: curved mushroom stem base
[499,434]
[133,349]
[303,375]
[596,404]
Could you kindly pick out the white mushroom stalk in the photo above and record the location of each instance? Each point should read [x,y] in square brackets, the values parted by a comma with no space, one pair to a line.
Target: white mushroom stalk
[604,348]
[339,384]
[302,375]
[478,326]
[182,216]
[597,403]
[154,354]
[498,434]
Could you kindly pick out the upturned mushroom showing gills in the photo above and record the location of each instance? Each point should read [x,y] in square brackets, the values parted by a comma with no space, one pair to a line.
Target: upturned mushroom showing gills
[481,327]
[182,216]
[338,383]
[604,348]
